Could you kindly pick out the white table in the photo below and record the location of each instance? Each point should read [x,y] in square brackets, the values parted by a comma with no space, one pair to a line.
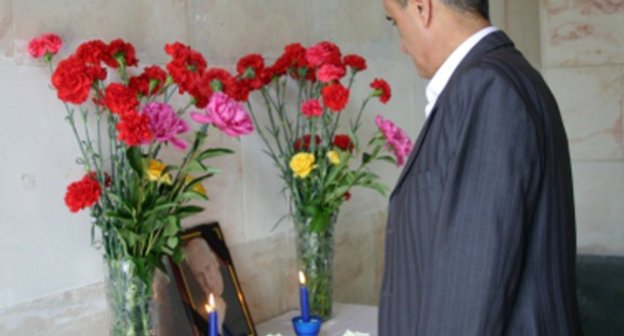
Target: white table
[346,316]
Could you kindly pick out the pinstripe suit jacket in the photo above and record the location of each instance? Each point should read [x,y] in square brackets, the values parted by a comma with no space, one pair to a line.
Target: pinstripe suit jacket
[480,237]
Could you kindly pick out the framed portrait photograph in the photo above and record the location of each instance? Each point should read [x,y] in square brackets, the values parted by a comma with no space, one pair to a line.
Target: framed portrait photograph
[206,269]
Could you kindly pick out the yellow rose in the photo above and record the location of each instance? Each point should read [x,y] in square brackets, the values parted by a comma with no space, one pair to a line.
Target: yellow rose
[302,164]
[198,188]
[333,157]
[155,172]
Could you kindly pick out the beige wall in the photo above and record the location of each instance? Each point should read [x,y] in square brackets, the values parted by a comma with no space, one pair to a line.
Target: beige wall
[583,61]
[50,271]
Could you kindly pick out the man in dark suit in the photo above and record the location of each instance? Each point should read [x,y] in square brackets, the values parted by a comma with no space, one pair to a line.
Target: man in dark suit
[481,231]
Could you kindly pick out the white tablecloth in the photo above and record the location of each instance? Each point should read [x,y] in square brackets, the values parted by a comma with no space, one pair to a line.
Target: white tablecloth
[346,316]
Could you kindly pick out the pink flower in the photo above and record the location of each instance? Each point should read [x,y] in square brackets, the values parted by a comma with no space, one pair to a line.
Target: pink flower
[46,43]
[226,114]
[312,108]
[164,124]
[396,139]
[330,72]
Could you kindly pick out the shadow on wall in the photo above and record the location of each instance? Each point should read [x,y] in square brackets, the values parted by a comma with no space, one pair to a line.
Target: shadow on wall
[600,285]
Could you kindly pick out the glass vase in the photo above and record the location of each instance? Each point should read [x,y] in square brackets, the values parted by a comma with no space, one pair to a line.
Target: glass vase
[315,256]
[130,301]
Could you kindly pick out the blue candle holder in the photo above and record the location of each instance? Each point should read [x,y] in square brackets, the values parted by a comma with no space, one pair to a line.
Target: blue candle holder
[312,327]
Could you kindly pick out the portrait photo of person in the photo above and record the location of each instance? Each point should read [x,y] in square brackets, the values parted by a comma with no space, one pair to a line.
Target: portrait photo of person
[182,295]
[206,270]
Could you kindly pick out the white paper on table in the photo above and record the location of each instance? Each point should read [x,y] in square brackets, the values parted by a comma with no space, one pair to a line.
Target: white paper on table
[354,333]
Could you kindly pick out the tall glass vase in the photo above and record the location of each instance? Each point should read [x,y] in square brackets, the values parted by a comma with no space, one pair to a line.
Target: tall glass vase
[315,257]
[130,301]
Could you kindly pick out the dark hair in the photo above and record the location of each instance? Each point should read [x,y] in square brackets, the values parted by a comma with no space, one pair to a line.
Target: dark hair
[480,7]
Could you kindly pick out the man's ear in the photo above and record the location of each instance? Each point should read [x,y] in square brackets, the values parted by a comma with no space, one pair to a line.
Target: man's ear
[422,8]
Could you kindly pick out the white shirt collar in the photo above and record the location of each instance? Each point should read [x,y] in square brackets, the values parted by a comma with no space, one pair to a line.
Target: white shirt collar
[442,76]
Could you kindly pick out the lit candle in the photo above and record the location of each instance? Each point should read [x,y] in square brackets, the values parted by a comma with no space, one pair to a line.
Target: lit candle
[213,319]
[303,298]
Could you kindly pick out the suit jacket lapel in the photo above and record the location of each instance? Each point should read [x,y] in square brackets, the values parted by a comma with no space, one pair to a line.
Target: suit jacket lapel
[491,42]
[415,150]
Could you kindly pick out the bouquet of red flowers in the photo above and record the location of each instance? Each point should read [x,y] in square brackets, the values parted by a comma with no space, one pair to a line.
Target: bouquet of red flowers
[318,158]
[122,122]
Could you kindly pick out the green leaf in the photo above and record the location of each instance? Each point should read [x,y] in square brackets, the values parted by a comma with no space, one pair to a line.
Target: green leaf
[136,160]
[178,256]
[159,208]
[379,187]
[213,152]
[365,158]
[128,236]
[195,181]
[377,141]
[171,228]
[188,210]
[338,193]
[388,158]
[198,167]
[116,215]
[193,195]
[320,221]
[172,242]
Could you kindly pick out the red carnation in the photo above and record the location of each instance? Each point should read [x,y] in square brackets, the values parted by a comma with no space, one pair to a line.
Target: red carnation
[93,52]
[292,58]
[335,96]
[381,89]
[154,76]
[83,193]
[120,99]
[120,49]
[72,81]
[186,67]
[343,142]
[311,108]
[238,90]
[45,45]
[296,54]
[250,70]
[323,53]
[304,142]
[216,80]
[329,72]
[134,129]
[356,62]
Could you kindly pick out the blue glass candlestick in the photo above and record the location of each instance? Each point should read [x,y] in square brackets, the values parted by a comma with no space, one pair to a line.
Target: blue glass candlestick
[312,327]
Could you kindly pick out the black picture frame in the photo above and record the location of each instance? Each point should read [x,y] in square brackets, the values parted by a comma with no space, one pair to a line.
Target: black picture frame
[186,293]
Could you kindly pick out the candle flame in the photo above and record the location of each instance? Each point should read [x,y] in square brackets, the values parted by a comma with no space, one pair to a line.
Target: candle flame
[208,309]
[302,279]
[211,301]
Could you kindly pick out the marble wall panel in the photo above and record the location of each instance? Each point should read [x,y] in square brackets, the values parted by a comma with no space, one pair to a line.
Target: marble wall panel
[523,27]
[357,257]
[225,190]
[590,102]
[6,28]
[267,272]
[356,26]
[226,30]
[599,196]
[41,150]
[72,313]
[149,27]
[581,32]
